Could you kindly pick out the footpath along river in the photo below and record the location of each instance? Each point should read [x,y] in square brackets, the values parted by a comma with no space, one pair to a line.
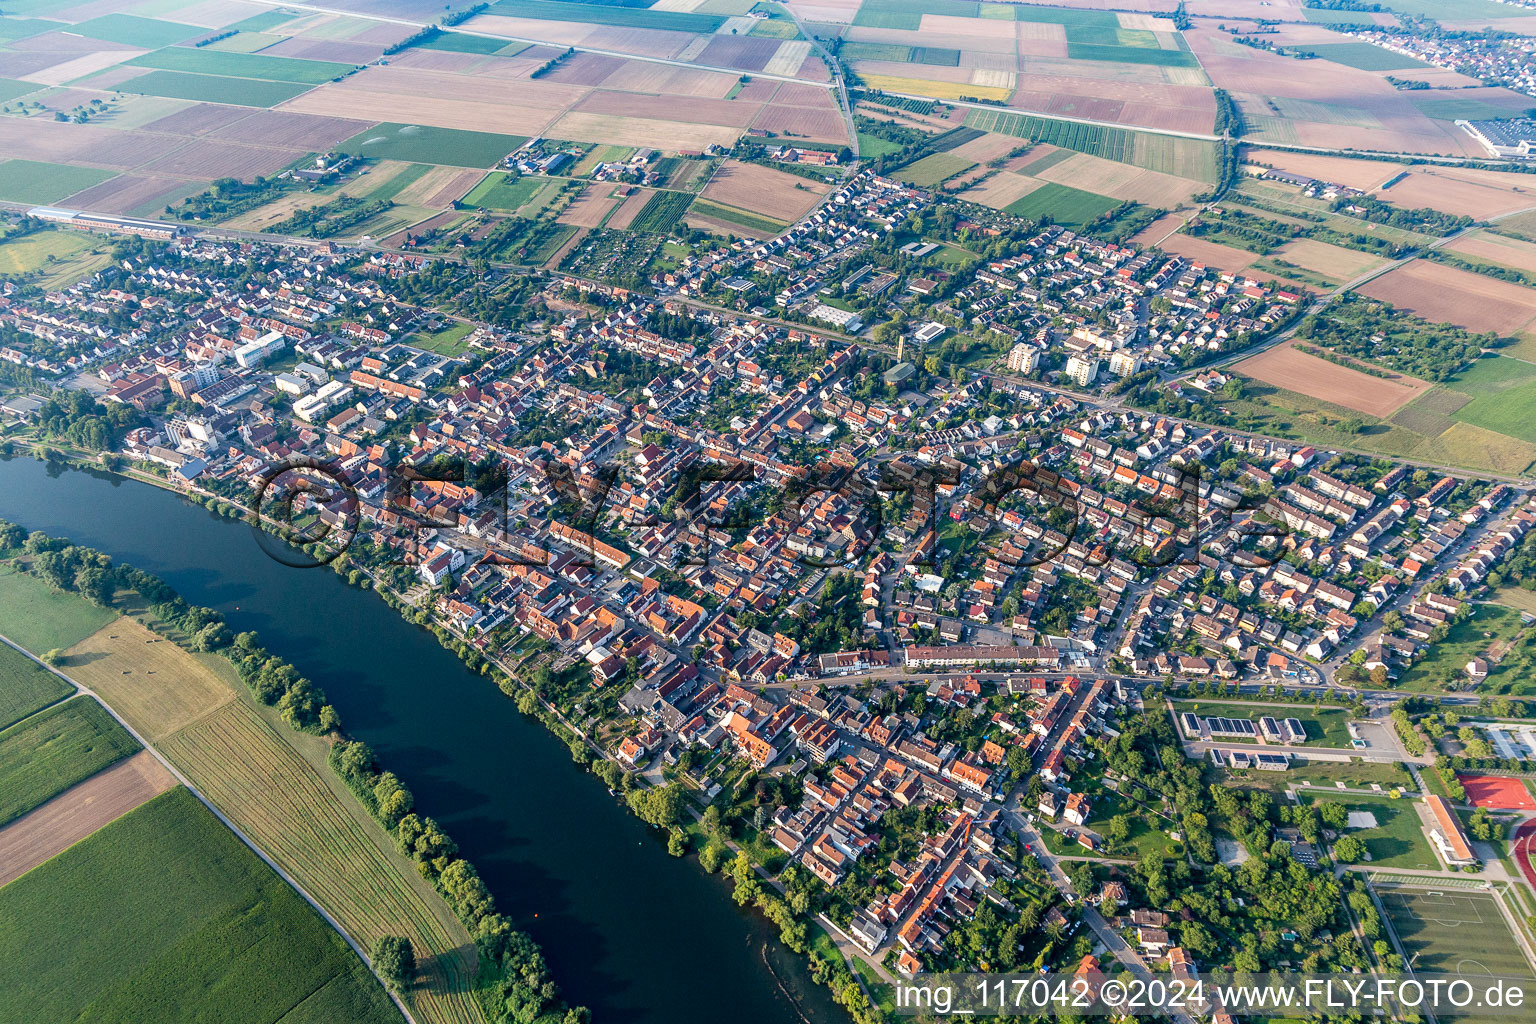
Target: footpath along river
[637,935]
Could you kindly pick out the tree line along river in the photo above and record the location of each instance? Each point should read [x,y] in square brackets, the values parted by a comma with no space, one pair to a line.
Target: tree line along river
[639,936]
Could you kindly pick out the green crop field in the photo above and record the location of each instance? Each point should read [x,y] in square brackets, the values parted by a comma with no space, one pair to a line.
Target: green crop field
[40,618]
[1503,394]
[10,88]
[164,908]
[263,21]
[25,686]
[1396,840]
[872,147]
[428,145]
[134,31]
[44,755]
[242,65]
[497,193]
[242,92]
[1034,167]
[1457,10]
[1365,56]
[30,181]
[1460,933]
[660,212]
[1062,203]
[1186,158]
[465,42]
[595,14]
[1328,17]
[876,51]
[12,29]
[732,215]
[1132,55]
[934,168]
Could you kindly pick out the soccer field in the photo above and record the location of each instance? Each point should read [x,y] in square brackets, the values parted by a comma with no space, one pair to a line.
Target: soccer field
[1455,933]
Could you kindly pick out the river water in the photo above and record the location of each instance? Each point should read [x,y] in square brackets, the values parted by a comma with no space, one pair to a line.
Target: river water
[637,935]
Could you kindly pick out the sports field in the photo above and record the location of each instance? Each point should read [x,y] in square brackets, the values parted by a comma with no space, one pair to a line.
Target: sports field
[1497,792]
[25,686]
[40,618]
[1454,932]
[428,145]
[44,755]
[1397,838]
[171,917]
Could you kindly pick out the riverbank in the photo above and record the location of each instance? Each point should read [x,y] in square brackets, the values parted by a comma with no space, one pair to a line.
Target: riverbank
[570,864]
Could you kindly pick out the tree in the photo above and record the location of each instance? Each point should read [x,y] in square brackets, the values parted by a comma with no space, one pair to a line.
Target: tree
[1349,850]
[55,656]
[1119,829]
[395,961]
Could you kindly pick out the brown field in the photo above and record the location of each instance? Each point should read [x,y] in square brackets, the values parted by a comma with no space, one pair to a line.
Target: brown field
[1445,294]
[588,69]
[79,67]
[325,49]
[1501,249]
[1151,104]
[1212,254]
[642,42]
[1285,366]
[128,192]
[694,111]
[1472,193]
[723,228]
[199,119]
[833,11]
[635,131]
[748,53]
[450,190]
[1040,39]
[512,107]
[208,159]
[628,210]
[1163,227]
[589,208]
[441,60]
[1002,189]
[1329,260]
[566,33]
[775,194]
[156,686]
[80,810]
[988,148]
[1366,175]
[289,130]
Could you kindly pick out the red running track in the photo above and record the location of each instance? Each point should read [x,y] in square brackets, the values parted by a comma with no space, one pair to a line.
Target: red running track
[1524,849]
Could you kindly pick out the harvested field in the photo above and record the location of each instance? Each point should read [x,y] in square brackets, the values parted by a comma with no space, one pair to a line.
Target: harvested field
[1120,181]
[128,193]
[1501,249]
[635,131]
[1002,190]
[1286,366]
[511,107]
[1366,175]
[198,119]
[156,686]
[208,159]
[1447,295]
[452,185]
[986,148]
[288,130]
[625,215]
[820,123]
[78,67]
[1040,39]
[1329,260]
[748,53]
[1212,254]
[723,227]
[77,812]
[1472,193]
[784,197]
[695,111]
[589,208]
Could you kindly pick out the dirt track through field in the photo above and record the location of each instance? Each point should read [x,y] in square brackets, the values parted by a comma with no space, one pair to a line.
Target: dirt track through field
[77,812]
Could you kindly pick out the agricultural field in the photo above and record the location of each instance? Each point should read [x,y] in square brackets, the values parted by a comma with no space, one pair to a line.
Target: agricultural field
[64,820]
[25,686]
[221,930]
[1062,204]
[1503,394]
[1365,56]
[774,194]
[241,65]
[246,92]
[39,618]
[30,181]
[525,196]
[1449,295]
[136,31]
[1286,366]
[660,212]
[42,756]
[732,219]
[933,169]
[1182,158]
[196,713]
[429,145]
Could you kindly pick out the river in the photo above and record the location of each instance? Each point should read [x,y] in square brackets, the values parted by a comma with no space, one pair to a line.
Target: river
[637,935]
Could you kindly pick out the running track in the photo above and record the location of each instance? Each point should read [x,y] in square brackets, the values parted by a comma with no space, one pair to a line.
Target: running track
[1524,849]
